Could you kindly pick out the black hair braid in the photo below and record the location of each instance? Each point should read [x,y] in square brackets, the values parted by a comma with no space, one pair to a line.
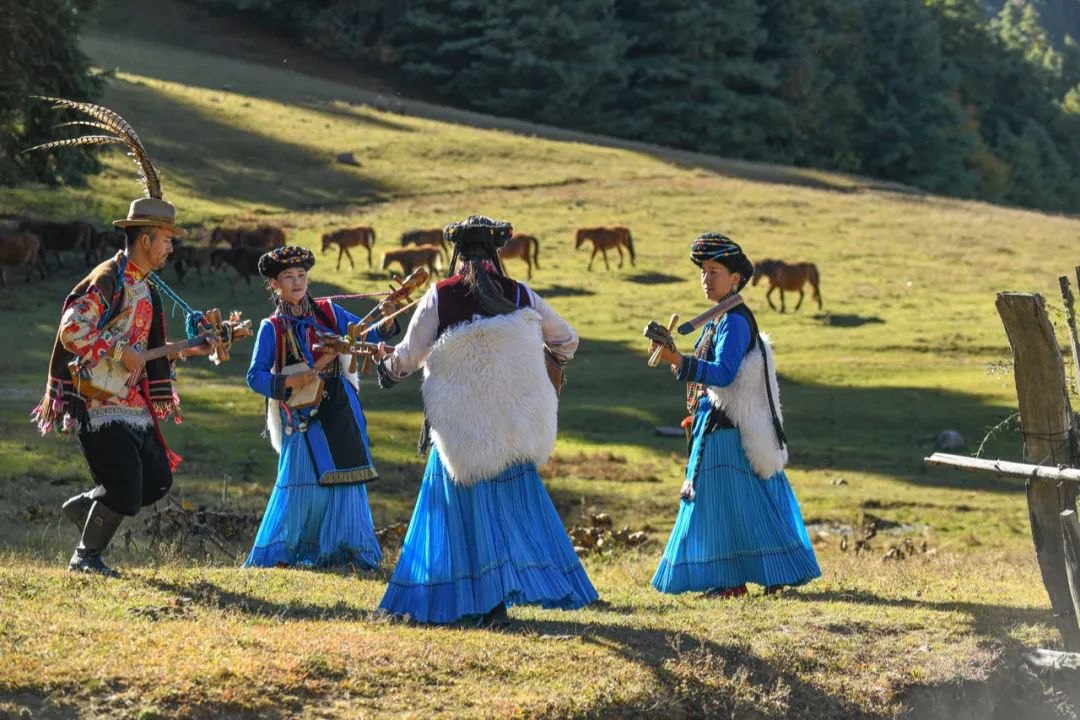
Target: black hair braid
[479,283]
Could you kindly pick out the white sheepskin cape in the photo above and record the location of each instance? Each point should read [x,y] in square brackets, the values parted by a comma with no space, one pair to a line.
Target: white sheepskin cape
[745,403]
[487,396]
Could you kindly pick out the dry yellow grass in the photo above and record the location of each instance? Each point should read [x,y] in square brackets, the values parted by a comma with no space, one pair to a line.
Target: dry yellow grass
[901,350]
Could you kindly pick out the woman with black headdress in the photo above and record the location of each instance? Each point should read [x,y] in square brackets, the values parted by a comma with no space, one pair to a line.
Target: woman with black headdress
[318,512]
[484,534]
[738,520]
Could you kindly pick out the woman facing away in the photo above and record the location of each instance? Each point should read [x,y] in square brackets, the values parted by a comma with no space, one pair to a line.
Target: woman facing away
[484,533]
[318,512]
[738,519]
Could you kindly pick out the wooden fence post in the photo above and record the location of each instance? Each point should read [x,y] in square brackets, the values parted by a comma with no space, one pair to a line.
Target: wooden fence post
[1046,418]
[1070,319]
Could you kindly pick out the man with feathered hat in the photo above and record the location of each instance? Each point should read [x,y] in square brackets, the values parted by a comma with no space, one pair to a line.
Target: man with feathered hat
[115,314]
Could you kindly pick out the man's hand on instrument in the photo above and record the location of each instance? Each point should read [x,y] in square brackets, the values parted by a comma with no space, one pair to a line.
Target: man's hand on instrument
[133,359]
[382,352]
[300,379]
[211,342]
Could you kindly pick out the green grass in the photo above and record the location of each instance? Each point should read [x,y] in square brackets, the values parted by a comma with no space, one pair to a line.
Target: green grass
[902,349]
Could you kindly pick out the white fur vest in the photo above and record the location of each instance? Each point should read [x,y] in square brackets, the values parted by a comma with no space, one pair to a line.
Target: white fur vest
[745,403]
[487,396]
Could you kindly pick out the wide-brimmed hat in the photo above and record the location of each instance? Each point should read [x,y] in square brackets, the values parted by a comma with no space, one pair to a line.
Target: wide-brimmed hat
[154,213]
[280,259]
[722,249]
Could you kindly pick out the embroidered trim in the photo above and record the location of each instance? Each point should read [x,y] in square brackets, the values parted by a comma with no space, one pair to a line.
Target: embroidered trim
[349,477]
[105,415]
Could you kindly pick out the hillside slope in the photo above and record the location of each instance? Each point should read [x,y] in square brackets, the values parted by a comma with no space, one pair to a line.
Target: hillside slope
[901,349]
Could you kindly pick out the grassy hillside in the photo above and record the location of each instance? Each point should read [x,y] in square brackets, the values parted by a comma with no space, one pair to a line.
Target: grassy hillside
[908,344]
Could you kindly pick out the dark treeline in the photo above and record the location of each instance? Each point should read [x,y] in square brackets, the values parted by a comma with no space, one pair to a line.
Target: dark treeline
[39,55]
[972,98]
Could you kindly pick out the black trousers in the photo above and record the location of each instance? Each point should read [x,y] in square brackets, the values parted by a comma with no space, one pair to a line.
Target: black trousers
[129,466]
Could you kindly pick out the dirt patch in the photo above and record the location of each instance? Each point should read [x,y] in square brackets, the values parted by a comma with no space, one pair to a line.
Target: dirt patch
[599,466]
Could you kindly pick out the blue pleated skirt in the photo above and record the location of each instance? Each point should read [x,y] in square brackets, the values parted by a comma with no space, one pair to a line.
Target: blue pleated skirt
[470,549]
[308,524]
[737,529]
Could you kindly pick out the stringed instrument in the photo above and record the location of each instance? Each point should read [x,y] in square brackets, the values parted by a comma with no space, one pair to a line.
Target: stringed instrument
[416,279]
[690,326]
[107,377]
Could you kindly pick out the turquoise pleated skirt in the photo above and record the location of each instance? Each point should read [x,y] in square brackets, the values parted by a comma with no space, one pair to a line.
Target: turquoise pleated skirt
[308,524]
[737,529]
[471,549]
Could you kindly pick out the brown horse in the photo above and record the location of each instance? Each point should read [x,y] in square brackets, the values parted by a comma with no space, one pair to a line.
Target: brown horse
[433,236]
[20,248]
[604,239]
[521,246]
[789,277]
[358,235]
[411,258]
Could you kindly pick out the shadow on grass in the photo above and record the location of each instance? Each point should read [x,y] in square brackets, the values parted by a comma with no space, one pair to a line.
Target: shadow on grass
[368,83]
[655,278]
[211,596]
[830,427]
[686,668]
[992,620]
[233,164]
[847,321]
[563,291]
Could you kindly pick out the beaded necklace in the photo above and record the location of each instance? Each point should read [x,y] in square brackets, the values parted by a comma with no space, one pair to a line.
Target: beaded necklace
[695,390]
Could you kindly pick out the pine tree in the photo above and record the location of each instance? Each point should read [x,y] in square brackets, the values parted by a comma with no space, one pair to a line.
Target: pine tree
[556,62]
[813,44]
[439,39]
[914,128]
[694,78]
[41,56]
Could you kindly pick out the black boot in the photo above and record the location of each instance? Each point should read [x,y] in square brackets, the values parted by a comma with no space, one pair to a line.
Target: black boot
[77,508]
[101,525]
[494,618]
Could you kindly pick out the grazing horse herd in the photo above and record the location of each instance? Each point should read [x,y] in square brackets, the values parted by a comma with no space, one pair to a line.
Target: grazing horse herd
[30,243]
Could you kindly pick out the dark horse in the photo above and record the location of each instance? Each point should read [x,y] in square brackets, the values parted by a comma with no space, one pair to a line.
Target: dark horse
[789,277]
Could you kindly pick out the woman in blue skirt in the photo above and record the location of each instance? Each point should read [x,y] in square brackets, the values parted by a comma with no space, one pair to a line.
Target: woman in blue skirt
[318,511]
[484,534]
[738,519]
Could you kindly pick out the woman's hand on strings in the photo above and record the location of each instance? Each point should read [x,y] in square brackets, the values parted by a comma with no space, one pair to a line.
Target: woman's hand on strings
[669,354]
[388,307]
[659,336]
[382,352]
[300,379]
